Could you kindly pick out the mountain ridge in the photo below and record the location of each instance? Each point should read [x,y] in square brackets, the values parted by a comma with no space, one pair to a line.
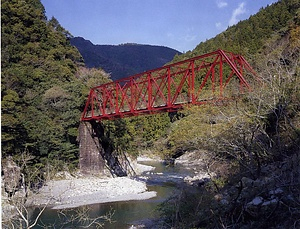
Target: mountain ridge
[124,59]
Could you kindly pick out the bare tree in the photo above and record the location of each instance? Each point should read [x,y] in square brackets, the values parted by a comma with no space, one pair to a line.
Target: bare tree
[21,214]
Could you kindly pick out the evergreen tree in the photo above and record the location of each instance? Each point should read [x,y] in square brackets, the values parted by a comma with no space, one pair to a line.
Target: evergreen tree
[43,86]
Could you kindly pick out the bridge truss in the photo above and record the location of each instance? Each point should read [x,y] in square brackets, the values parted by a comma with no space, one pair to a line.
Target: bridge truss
[208,78]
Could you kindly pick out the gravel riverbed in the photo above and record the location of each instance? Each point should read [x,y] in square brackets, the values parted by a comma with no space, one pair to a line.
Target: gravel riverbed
[70,193]
[74,192]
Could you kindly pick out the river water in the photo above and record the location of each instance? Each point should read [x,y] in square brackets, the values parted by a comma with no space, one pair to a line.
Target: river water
[165,180]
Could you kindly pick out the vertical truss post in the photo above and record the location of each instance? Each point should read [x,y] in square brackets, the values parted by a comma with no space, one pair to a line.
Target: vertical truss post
[132,96]
[149,102]
[93,105]
[169,87]
[213,79]
[117,110]
[192,83]
[221,77]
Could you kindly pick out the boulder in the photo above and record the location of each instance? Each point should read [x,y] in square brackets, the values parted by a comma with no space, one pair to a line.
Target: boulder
[11,176]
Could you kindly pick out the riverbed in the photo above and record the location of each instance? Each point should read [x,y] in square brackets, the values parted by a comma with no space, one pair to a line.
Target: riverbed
[131,213]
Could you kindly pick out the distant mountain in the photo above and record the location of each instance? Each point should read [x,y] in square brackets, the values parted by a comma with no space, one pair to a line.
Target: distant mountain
[125,59]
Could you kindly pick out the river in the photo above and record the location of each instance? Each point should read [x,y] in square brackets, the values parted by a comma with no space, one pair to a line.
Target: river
[165,180]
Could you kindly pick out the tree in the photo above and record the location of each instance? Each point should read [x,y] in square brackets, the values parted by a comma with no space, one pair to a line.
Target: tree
[18,212]
[256,139]
[38,65]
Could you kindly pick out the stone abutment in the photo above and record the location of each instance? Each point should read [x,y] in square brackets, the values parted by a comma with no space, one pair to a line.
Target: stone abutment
[96,151]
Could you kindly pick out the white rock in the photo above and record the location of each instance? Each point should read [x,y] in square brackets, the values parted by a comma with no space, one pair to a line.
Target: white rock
[276,191]
[256,201]
[273,201]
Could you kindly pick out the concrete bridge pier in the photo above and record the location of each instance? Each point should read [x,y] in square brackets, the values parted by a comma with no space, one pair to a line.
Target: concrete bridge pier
[90,159]
[96,152]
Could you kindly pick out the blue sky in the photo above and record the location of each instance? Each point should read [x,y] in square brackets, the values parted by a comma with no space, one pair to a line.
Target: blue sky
[178,24]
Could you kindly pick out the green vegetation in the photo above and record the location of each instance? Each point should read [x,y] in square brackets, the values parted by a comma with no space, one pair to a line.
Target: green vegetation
[251,145]
[137,134]
[249,36]
[44,87]
[114,58]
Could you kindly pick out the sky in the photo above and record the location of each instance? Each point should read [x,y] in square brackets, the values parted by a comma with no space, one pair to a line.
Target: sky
[178,24]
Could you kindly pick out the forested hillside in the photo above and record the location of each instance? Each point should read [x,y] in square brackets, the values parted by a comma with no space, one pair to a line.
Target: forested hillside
[123,60]
[249,37]
[250,148]
[43,87]
[270,41]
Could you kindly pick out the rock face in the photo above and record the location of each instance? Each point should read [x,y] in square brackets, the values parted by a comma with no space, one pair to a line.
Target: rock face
[12,176]
[90,160]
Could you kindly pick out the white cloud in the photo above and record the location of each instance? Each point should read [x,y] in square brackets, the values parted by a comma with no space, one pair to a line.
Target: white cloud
[237,12]
[190,37]
[184,39]
[221,4]
[219,25]
[181,42]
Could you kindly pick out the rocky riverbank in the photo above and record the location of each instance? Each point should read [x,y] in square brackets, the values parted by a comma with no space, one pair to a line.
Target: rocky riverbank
[70,193]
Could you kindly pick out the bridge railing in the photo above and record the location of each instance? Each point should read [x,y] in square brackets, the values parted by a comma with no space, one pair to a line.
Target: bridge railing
[207,78]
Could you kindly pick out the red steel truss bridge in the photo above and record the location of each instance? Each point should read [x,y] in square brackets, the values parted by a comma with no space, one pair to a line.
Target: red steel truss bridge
[209,78]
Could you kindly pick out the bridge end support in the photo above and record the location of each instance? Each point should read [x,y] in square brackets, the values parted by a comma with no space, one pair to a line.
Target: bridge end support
[96,152]
[90,159]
